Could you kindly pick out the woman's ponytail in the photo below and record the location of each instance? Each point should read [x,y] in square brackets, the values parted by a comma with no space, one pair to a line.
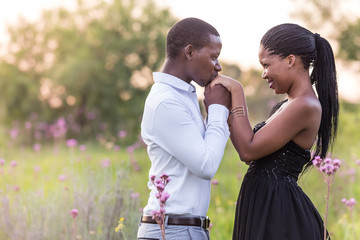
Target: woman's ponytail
[324,77]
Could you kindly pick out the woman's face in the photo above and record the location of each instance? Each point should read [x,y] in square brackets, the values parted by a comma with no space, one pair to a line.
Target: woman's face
[276,71]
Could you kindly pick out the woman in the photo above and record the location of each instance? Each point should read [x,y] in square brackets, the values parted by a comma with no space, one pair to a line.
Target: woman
[271,205]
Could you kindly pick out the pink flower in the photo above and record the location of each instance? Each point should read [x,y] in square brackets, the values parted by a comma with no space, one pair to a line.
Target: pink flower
[336,163]
[82,148]
[13,163]
[37,168]
[71,143]
[37,147]
[122,134]
[105,163]
[327,161]
[116,148]
[164,197]
[160,187]
[350,203]
[74,213]
[16,188]
[130,149]
[91,115]
[215,182]
[2,161]
[357,162]
[317,161]
[62,178]
[14,133]
[164,176]
[134,195]
[27,125]
[351,171]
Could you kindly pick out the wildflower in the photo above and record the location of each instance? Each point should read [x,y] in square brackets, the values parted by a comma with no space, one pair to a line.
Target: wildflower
[2,161]
[134,195]
[165,196]
[327,168]
[62,178]
[215,182]
[37,147]
[162,196]
[14,133]
[120,225]
[130,149]
[350,203]
[105,163]
[91,115]
[116,148]
[357,162]
[27,125]
[13,163]
[37,169]
[74,213]
[16,188]
[71,143]
[82,148]
[122,134]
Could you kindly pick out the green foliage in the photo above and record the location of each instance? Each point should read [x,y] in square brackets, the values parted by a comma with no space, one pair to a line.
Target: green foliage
[349,42]
[98,59]
[337,23]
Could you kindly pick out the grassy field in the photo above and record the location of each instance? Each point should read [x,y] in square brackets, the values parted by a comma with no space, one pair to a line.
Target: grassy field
[40,187]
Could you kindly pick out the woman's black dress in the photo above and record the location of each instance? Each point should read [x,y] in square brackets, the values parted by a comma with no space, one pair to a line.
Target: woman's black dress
[271,206]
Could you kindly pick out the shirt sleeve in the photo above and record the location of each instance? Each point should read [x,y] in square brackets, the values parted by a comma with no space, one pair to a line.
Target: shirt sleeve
[177,133]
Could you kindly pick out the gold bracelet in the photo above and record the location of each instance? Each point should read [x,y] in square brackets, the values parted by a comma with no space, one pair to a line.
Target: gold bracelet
[239,111]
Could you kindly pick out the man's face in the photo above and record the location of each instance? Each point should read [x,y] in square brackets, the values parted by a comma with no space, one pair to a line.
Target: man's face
[204,66]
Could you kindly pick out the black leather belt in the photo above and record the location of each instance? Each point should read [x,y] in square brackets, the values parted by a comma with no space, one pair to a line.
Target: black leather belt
[203,222]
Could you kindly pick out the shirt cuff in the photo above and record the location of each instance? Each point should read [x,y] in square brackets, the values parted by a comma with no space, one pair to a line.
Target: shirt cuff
[217,113]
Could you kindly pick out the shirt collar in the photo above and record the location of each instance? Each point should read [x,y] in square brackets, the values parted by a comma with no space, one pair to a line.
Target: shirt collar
[173,81]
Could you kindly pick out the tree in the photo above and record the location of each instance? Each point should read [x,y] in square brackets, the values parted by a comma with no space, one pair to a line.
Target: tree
[329,16]
[94,61]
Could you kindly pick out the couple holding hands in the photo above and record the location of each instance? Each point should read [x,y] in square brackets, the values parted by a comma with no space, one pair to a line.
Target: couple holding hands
[271,205]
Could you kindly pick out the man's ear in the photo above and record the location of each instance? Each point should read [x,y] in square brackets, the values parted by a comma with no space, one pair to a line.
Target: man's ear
[189,51]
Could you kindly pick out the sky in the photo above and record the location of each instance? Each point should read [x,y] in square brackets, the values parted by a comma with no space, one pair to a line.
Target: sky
[241,25]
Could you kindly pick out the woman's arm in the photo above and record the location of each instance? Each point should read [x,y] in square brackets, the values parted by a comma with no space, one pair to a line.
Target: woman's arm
[279,130]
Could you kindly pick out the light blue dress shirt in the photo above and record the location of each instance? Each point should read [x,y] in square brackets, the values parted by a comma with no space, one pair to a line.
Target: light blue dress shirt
[182,145]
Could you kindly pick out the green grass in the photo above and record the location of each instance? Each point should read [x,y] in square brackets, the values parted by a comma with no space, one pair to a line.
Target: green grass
[36,205]
[89,186]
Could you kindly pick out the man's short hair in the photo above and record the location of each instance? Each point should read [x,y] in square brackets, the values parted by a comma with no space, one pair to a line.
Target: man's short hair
[188,31]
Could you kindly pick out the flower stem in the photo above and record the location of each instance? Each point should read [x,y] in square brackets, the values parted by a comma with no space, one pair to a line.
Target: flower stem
[326,209]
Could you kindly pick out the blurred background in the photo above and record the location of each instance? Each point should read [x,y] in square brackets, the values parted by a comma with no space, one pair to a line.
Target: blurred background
[74,76]
[90,62]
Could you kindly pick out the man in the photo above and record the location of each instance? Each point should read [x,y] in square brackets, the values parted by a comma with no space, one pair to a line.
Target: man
[179,143]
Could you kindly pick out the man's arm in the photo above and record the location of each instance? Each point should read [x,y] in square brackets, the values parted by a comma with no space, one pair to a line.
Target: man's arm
[178,134]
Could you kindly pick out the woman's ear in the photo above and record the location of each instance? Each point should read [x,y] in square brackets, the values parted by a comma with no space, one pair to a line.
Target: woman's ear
[291,59]
[189,51]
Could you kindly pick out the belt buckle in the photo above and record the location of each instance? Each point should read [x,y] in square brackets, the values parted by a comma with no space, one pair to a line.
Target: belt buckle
[206,222]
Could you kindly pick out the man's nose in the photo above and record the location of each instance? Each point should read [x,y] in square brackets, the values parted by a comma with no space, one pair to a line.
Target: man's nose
[218,66]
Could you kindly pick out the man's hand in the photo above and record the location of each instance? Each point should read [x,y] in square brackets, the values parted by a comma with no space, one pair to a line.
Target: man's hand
[217,95]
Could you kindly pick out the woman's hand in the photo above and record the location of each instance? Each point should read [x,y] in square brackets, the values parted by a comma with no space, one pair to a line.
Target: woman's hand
[217,95]
[229,83]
